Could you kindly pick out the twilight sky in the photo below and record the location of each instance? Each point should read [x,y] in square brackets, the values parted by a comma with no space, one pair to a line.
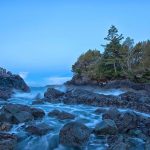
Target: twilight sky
[43,38]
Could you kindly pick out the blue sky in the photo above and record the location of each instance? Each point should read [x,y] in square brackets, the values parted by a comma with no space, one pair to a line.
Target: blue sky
[45,37]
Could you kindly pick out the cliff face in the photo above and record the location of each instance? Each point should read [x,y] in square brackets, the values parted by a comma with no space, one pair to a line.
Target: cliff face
[8,82]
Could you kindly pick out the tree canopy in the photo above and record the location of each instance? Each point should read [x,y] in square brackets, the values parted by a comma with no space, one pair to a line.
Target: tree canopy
[120,59]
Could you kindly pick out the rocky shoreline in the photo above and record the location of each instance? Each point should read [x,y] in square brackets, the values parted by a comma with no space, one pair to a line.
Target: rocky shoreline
[121,130]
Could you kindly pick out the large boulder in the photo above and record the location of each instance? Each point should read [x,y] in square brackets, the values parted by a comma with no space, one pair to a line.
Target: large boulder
[106,127]
[38,129]
[14,82]
[17,113]
[74,134]
[61,115]
[52,93]
[7,141]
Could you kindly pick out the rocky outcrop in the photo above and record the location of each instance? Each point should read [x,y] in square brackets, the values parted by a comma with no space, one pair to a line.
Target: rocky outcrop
[8,82]
[61,115]
[16,113]
[38,129]
[117,84]
[74,134]
[13,81]
[7,141]
[114,84]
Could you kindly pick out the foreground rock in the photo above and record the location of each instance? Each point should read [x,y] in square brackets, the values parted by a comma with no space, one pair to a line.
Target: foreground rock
[74,134]
[133,130]
[38,129]
[7,141]
[61,115]
[16,113]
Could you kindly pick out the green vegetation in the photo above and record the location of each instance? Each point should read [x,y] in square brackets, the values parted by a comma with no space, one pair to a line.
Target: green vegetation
[120,60]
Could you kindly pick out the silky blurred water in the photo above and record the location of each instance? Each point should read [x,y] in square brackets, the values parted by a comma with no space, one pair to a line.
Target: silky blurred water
[50,141]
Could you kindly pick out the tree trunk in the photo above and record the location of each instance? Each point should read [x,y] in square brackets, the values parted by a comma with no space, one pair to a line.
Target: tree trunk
[115,68]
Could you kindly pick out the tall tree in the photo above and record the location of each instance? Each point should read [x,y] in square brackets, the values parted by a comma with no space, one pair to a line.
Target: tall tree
[112,53]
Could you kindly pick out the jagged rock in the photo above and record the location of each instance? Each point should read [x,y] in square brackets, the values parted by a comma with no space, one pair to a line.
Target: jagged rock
[106,127]
[38,129]
[7,141]
[74,134]
[61,115]
[52,93]
[17,113]
[13,81]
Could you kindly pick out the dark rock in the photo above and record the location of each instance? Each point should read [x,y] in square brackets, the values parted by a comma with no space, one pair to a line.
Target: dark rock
[100,111]
[13,81]
[22,116]
[5,93]
[7,141]
[37,113]
[5,126]
[17,113]
[39,101]
[106,127]
[112,113]
[52,93]
[62,115]
[117,84]
[38,129]
[140,97]
[128,121]
[74,134]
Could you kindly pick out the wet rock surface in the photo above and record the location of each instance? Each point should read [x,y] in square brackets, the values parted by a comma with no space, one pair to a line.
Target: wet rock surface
[7,141]
[74,134]
[8,82]
[16,113]
[129,100]
[38,129]
[52,93]
[61,115]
